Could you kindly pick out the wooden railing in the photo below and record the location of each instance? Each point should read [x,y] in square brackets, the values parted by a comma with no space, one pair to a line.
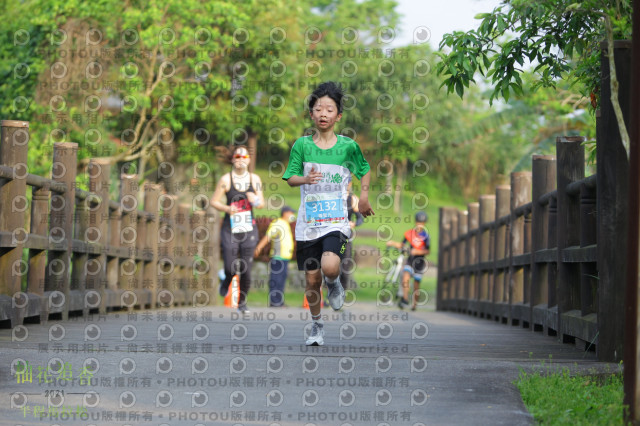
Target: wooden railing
[84,252]
[528,255]
[549,252]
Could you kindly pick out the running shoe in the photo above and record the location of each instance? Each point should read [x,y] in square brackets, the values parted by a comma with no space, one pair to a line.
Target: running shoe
[316,338]
[335,295]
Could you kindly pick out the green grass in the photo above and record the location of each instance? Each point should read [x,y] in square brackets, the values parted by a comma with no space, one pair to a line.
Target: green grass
[562,398]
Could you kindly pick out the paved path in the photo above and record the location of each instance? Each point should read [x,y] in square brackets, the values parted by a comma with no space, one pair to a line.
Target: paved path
[201,366]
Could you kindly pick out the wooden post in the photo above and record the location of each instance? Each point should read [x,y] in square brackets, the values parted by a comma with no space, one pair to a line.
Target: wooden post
[526,283]
[570,153]
[142,290]
[463,229]
[211,251]
[613,206]
[181,255]
[150,280]
[446,257]
[450,259]
[128,231]
[519,293]
[65,163]
[167,235]
[38,256]
[201,266]
[441,256]
[543,181]
[172,214]
[453,254]
[79,259]
[39,225]
[487,214]
[252,147]
[113,260]
[99,172]
[503,195]
[588,235]
[444,260]
[631,348]
[13,152]
[472,250]
[552,269]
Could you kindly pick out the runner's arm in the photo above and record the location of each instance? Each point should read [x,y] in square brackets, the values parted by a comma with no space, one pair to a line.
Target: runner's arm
[258,199]
[363,205]
[311,178]
[263,242]
[216,198]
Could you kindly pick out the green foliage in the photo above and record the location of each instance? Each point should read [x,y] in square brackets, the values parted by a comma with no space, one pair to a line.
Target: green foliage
[171,82]
[573,399]
[173,79]
[559,38]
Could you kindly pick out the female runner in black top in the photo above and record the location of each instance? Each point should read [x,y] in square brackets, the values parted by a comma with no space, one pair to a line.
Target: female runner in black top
[236,194]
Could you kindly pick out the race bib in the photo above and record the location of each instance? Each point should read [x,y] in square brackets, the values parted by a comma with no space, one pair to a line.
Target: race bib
[241,222]
[324,208]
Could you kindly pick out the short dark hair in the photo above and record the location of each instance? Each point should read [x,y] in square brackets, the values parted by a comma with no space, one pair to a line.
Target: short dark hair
[286,209]
[330,89]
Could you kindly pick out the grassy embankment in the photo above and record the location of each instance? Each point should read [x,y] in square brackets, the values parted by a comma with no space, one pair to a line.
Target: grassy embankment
[563,398]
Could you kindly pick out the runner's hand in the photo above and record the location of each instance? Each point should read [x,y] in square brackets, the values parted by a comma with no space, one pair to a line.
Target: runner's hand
[365,208]
[313,176]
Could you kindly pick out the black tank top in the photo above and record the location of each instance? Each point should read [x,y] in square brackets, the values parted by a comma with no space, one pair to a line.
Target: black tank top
[240,201]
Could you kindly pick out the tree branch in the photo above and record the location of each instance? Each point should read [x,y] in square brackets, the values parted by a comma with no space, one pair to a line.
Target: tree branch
[613,77]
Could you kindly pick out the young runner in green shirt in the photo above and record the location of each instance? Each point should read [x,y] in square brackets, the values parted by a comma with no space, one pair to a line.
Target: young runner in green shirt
[321,165]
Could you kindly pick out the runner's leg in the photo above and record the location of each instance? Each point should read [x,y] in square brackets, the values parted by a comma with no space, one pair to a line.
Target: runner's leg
[247,248]
[416,293]
[347,266]
[406,279]
[277,278]
[229,250]
[312,291]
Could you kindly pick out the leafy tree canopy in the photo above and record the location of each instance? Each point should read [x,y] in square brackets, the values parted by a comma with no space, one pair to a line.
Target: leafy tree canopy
[560,39]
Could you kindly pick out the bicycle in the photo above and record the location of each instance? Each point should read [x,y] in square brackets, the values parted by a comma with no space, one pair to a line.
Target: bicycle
[391,289]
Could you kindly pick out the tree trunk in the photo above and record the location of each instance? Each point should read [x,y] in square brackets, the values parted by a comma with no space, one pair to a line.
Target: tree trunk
[253,150]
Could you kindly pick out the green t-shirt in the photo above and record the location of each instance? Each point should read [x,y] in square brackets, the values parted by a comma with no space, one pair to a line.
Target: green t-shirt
[323,206]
